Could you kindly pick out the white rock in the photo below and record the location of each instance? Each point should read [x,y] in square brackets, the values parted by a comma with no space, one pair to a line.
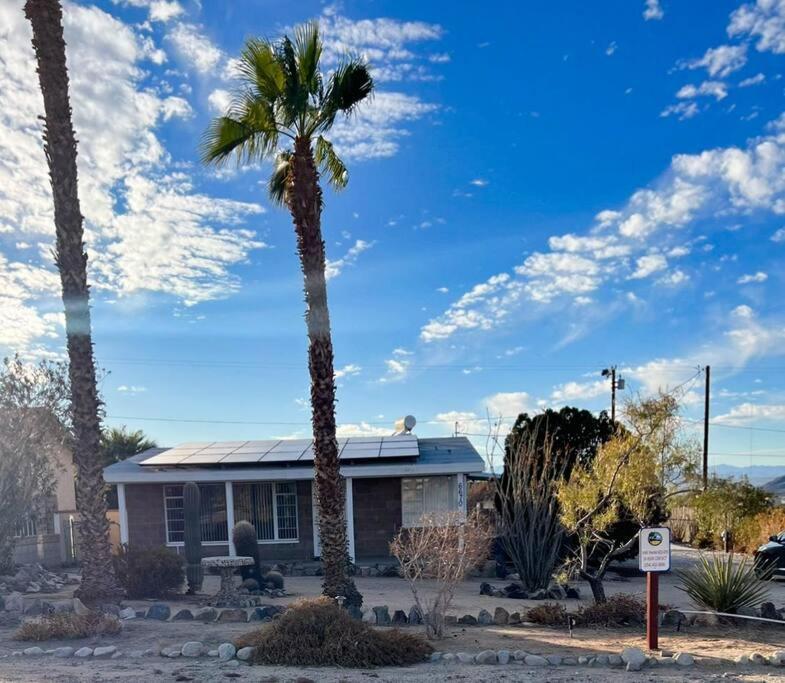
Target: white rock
[535,660]
[448,657]
[519,655]
[171,652]
[226,651]
[743,659]
[486,657]
[245,653]
[436,656]
[212,653]
[504,656]
[105,651]
[193,648]
[117,655]
[615,660]
[79,607]
[84,652]
[63,652]
[553,660]
[128,613]
[32,652]
[633,656]
[231,663]
[465,657]
[684,659]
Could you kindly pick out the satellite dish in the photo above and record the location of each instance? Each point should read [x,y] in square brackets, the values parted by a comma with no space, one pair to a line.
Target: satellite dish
[405,425]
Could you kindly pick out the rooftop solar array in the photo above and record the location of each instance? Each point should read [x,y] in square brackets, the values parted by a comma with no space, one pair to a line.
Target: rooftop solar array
[283,451]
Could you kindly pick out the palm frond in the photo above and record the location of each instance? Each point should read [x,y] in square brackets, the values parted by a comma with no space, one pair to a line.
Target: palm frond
[308,48]
[277,184]
[259,67]
[349,85]
[223,137]
[294,98]
[330,163]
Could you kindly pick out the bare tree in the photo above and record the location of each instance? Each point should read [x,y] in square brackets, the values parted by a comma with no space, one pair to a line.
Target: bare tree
[435,557]
[34,420]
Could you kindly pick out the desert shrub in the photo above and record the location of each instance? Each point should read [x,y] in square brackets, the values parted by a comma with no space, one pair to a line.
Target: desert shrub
[619,610]
[755,531]
[442,548]
[317,632]
[68,626]
[548,614]
[275,579]
[723,583]
[149,572]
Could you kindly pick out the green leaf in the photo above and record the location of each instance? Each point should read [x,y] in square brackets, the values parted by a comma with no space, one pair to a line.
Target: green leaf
[308,49]
[349,85]
[260,70]
[330,163]
[279,178]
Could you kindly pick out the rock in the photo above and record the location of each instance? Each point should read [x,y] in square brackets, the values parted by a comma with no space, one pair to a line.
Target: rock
[674,618]
[159,611]
[541,594]
[382,615]
[128,613]
[33,587]
[448,657]
[206,614]
[84,652]
[34,608]
[273,579]
[556,593]
[250,585]
[63,652]
[235,615]
[553,660]
[226,651]
[602,660]
[399,618]
[535,660]
[743,659]
[468,620]
[32,652]
[245,653]
[267,611]
[183,615]
[369,616]
[80,608]
[519,655]
[778,658]
[436,656]
[171,652]
[486,589]
[486,657]
[63,606]
[573,593]
[615,660]
[14,602]
[504,656]
[105,651]
[465,657]
[515,592]
[515,618]
[633,657]
[415,616]
[758,658]
[501,616]
[583,660]
[684,659]
[193,648]
[449,620]
[484,618]
[769,611]
[569,661]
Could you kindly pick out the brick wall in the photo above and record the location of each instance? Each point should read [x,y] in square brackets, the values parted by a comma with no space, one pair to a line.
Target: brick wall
[146,522]
[377,516]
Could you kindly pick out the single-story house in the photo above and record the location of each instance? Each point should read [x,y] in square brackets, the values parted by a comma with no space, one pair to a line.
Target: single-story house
[391,481]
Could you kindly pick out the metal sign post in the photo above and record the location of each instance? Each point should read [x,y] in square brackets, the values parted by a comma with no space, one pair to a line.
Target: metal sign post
[654,558]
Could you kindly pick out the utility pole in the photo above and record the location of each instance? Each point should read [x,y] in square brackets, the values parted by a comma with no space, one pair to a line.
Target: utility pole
[707,394]
[615,384]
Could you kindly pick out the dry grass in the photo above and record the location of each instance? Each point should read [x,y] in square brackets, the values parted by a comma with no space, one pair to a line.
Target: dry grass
[548,614]
[619,610]
[68,626]
[755,531]
[317,632]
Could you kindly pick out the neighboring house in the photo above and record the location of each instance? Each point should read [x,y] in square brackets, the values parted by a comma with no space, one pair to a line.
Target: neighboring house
[390,482]
[50,540]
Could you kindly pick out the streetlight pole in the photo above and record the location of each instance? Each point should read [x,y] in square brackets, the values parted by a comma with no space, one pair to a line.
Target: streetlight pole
[615,384]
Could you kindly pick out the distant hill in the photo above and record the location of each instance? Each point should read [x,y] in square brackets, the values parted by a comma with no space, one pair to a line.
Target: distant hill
[760,475]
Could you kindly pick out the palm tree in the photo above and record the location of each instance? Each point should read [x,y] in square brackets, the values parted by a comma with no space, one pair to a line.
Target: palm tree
[98,578]
[285,98]
[118,444]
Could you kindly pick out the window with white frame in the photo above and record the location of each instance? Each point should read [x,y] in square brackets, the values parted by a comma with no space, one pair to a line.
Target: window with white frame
[270,506]
[426,496]
[212,513]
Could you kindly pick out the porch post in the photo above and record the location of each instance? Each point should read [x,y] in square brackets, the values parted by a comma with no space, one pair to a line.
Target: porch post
[230,517]
[462,495]
[123,514]
[350,518]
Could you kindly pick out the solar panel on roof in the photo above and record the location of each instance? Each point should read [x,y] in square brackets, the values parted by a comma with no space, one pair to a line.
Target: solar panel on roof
[164,459]
[242,458]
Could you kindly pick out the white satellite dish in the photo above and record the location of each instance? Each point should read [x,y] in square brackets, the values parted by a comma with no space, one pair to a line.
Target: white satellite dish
[405,425]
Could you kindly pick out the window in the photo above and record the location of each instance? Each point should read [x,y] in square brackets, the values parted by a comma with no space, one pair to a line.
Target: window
[212,513]
[270,507]
[426,496]
[26,528]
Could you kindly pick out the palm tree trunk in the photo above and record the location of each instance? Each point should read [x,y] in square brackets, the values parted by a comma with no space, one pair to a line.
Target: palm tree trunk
[98,578]
[305,204]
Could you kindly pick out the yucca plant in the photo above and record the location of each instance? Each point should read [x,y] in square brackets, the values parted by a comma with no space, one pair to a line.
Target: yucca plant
[723,584]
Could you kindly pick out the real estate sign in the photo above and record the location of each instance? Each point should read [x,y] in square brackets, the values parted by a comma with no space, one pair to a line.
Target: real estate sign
[654,549]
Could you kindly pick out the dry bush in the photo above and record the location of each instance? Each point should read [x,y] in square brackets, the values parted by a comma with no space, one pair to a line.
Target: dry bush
[316,632]
[755,531]
[69,626]
[548,614]
[619,610]
[683,523]
[443,548]
[149,572]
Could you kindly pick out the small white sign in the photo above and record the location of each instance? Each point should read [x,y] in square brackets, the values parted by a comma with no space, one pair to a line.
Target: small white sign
[654,549]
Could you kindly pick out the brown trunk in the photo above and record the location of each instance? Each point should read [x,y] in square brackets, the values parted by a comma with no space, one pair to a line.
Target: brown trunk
[305,204]
[597,587]
[98,578]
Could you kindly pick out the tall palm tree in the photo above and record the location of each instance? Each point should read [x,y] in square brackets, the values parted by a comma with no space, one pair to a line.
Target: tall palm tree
[284,97]
[98,578]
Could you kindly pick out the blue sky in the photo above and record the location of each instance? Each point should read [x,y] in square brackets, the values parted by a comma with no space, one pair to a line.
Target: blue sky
[536,193]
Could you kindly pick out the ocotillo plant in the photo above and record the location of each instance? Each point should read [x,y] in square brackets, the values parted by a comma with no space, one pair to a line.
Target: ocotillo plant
[193,537]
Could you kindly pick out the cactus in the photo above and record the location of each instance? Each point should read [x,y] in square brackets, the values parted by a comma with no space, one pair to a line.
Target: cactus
[246,545]
[193,537]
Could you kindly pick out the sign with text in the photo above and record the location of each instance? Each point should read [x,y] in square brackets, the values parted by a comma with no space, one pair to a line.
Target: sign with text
[654,549]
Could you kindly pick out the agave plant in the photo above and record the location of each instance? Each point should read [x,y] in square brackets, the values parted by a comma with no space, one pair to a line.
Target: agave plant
[723,584]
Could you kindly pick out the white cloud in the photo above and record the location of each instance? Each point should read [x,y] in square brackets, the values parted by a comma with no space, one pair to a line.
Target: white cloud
[158,10]
[176,107]
[720,61]
[335,268]
[442,290]
[674,278]
[195,47]
[750,278]
[479,182]
[397,369]
[580,391]
[402,352]
[646,265]
[219,100]
[764,20]
[716,89]
[746,413]
[348,371]
[778,236]
[652,10]
[612,47]
[682,110]
[349,429]
[757,79]
[131,389]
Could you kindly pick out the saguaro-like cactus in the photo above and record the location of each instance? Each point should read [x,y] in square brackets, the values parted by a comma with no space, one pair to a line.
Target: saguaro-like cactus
[193,537]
